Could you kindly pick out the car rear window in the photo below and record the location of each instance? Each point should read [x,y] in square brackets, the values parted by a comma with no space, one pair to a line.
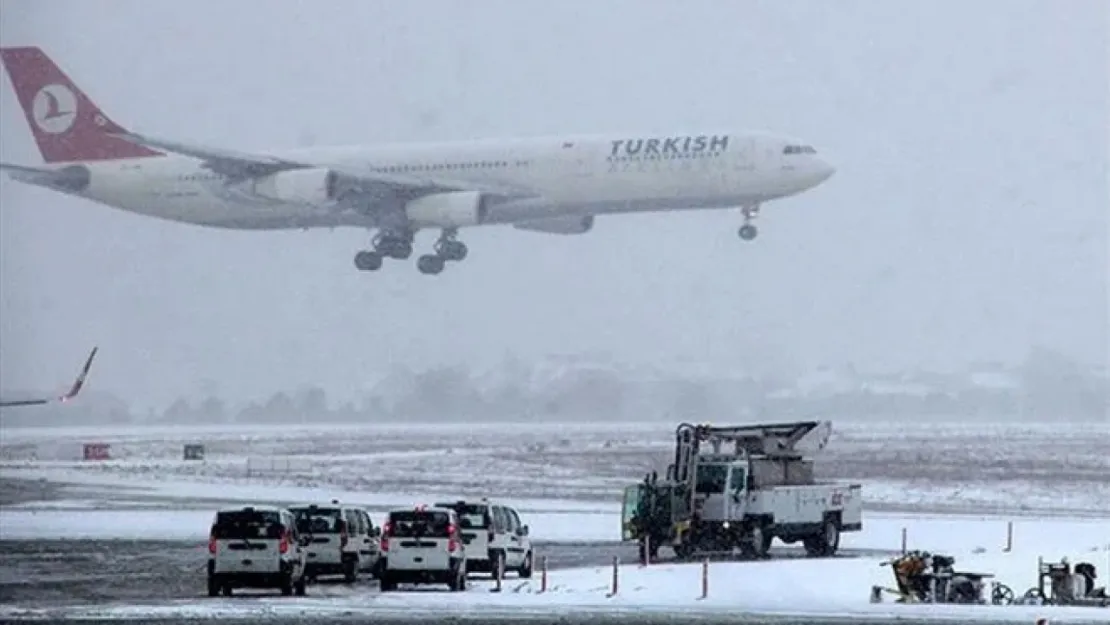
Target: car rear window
[416,523]
[317,520]
[253,524]
[471,516]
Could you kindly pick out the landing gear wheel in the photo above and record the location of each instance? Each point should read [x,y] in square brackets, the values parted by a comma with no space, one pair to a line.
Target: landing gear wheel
[393,246]
[748,232]
[451,250]
[400,250]
[430,264]
[368,261]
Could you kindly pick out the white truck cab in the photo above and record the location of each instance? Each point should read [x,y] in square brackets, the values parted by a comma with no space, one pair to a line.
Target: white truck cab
[339,540]
[255,547]
[422,545]
[493,534]
[726,494]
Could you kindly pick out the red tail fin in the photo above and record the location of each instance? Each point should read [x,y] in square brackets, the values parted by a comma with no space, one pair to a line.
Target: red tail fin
[66,124]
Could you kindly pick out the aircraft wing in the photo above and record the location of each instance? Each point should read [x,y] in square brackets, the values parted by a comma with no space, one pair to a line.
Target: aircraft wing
[73,391]
[241,165]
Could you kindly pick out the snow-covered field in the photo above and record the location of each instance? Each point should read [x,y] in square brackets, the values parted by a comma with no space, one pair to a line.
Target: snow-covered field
[837,587]
[1028,468]
[1049,481]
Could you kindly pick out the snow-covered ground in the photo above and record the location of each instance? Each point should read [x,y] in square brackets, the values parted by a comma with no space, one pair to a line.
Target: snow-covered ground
[176,509]
[566,481]
[836,587]
[1013,469]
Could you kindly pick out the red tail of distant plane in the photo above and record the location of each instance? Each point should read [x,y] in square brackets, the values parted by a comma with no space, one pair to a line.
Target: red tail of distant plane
[66,124]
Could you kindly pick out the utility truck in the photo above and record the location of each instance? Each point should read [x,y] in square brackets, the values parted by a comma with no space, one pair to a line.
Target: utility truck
[739,487]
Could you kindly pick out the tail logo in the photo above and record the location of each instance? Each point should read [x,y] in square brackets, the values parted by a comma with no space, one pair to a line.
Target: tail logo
[54,109]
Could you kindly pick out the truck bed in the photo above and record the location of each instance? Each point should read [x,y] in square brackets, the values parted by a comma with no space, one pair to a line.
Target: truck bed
[809,504]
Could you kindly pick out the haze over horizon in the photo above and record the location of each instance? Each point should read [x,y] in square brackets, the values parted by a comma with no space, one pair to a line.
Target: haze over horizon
[968,221]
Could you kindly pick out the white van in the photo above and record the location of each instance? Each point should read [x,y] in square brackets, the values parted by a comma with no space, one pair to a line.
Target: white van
[422,546]
[255,547]
[339,539]
[493,532]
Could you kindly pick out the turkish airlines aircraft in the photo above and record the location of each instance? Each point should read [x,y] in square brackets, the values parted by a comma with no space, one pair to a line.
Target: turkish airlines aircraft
[554,185]
[76,388]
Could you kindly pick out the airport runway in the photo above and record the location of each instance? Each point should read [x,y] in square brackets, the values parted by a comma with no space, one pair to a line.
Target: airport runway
[575,618]
[584,618]
[70,572]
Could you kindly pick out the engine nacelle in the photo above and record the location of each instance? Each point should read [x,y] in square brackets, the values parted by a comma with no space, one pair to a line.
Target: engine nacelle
[299,186]
[559,225]
[457,209]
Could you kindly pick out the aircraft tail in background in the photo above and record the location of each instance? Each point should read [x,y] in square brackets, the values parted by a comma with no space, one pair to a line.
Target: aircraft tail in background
[73,391]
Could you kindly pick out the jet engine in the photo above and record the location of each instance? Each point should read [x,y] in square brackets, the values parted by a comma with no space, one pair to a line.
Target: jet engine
[559,225]
[456,209]
[299,186]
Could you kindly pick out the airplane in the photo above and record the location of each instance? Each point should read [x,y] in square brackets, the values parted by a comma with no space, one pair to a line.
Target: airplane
[555,185]
[77,384]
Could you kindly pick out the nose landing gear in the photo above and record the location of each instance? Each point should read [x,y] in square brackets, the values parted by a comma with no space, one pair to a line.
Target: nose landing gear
[748,231]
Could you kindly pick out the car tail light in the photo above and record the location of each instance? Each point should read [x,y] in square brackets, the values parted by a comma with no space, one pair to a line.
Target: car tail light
[286,539]
[212,545]
[452,538]
[387,530]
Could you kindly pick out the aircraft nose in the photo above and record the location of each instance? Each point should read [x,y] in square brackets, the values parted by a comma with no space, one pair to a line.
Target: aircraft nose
[822,170]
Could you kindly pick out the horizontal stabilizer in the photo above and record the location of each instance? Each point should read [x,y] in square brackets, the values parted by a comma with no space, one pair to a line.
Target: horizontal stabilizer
[71,178]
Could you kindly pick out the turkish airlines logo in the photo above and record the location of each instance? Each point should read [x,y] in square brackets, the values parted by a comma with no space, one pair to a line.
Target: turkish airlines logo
[54,109]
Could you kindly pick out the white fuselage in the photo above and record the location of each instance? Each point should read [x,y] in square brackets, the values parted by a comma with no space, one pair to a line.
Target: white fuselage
[569,176]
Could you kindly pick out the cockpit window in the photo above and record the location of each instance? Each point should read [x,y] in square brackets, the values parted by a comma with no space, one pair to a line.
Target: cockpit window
[799,149]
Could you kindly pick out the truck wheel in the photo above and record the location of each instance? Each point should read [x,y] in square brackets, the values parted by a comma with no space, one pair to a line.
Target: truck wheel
[831,537]
[760,541]
[826,543]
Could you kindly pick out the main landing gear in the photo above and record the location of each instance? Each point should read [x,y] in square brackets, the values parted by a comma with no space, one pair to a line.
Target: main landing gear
[398,245]
[447,248]
[386,244]
[748,231]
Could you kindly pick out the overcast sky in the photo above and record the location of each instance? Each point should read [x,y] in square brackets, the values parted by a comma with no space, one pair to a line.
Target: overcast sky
[967,220]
